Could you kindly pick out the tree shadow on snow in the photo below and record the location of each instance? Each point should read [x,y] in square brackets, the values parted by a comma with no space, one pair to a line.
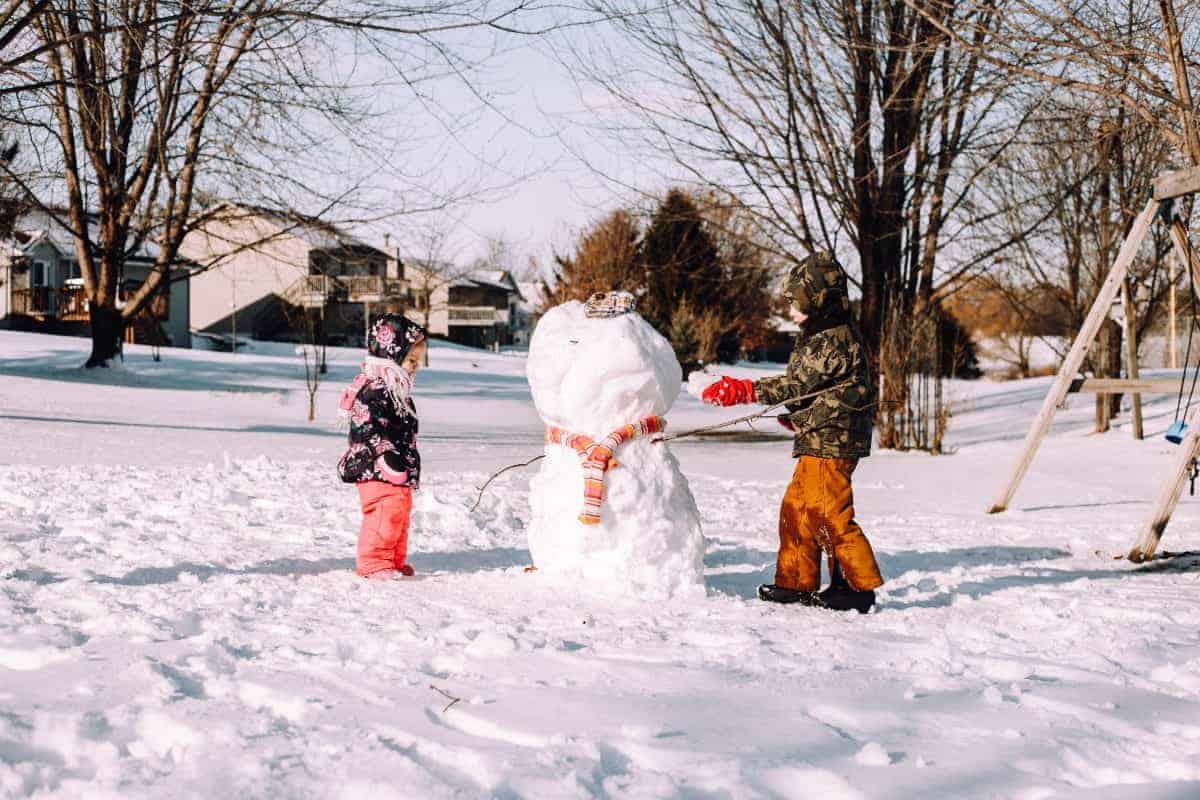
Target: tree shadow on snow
[299,430]
[760,564]
[182,374]
[471,560]
[35,575]
[759,568]
[1046,576]
[151,576]
[1142,502]
[894,564]
[454,562]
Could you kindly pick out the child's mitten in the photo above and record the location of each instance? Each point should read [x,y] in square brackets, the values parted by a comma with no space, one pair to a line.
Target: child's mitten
[729,392]
[392,468]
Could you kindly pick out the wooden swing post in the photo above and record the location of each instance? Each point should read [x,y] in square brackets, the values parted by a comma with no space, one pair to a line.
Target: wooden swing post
[1131,354]
[1074,360]
[1180,471]
[1171,491]
[1166,188]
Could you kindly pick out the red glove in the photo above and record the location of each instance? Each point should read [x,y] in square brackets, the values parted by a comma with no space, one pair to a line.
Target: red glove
[729,392]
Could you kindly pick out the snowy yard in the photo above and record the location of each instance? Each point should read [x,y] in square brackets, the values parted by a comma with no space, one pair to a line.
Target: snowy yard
[179,615]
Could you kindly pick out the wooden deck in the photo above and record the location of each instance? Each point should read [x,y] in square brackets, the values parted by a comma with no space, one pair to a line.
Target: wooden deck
[50,303]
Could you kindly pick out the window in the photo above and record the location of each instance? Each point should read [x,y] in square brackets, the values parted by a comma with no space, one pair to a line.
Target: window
[75,273]
[37,276]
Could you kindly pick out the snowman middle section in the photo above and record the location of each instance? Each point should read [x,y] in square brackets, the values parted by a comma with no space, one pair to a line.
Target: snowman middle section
[647,540]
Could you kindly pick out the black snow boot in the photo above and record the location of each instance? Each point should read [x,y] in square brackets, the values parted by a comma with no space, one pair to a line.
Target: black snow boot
[778,594]
[838,596]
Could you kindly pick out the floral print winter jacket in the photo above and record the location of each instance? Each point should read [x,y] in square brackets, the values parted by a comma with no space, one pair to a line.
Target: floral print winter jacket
[383,439]
[382,415]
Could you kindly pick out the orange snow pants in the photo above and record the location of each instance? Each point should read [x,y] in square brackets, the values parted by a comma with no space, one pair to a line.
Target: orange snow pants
[818,514]
[383,539]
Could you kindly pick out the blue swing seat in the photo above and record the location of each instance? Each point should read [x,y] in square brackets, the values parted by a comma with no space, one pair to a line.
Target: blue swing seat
[1175,433]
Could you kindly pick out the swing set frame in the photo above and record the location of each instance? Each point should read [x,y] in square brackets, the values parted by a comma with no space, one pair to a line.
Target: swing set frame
[1167,189]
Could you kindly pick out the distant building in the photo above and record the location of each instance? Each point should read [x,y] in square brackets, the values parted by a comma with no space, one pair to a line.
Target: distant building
[41,286]
[274,272]
[476,308]
[528,311]
[780,342]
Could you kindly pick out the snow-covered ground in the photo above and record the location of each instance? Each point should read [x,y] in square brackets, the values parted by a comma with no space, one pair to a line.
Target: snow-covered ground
[179,616]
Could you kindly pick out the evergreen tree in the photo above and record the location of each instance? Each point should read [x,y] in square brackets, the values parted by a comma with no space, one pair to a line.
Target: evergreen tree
[606,259]
[680,262]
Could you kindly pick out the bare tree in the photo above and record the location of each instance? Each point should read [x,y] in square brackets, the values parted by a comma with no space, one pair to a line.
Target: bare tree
[1121,53]
[605,259]
[831,121]
[1085,173]
[144,104]
[433,273]
[841,126]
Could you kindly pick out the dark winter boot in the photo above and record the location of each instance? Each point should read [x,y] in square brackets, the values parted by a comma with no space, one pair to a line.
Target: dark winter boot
[838,596]
[778,594]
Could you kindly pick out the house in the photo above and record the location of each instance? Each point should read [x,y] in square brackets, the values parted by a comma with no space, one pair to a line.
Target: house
[41,288]
[267,274]
[471,307]
[527,312]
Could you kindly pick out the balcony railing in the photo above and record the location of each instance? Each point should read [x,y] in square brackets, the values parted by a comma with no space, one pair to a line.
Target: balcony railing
[477,315]
[68,304]
[313,291]
[370,288]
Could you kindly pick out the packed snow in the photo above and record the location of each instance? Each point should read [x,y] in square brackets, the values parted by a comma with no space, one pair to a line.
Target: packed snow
[179,615]
[592,376]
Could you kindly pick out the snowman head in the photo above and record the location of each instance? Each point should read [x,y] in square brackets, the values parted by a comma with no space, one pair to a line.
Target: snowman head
[596,367]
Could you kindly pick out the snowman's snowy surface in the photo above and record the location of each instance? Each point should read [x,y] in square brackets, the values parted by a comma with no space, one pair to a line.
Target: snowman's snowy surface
[592,376]
[699,380]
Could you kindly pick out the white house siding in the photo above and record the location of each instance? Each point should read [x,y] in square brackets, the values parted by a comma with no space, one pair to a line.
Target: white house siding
[178,322]
[270,265]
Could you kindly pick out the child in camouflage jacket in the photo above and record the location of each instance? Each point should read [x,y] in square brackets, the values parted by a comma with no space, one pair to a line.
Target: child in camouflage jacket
[832,432]
[382,459]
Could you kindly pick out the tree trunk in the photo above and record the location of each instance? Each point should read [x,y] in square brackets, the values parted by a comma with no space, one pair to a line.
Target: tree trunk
[108,329]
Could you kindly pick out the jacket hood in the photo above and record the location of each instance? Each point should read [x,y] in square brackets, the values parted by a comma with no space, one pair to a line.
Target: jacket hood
[392,336]
[817,287]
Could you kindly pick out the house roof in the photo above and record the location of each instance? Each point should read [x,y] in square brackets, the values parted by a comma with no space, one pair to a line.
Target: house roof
[494,277]
[40,226]
[316,233]
[484,278]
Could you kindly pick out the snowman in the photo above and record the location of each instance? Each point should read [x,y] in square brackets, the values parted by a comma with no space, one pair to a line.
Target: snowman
[612,512]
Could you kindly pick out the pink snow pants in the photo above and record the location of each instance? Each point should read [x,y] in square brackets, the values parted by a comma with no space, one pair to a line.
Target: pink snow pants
[383,540]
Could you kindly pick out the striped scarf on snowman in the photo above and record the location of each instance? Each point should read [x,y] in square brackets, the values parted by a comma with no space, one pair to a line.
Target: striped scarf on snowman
[597,458]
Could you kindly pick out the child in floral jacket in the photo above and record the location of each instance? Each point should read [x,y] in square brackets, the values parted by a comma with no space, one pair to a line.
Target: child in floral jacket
[383,459]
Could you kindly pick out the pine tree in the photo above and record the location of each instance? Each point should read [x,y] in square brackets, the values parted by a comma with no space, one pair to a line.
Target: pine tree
[680,262]
[605,260]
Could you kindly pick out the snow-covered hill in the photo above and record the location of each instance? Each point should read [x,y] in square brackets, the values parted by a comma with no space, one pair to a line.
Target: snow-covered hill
[179,616]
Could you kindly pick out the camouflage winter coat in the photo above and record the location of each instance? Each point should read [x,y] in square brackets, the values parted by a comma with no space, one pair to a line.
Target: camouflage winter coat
[828,353]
